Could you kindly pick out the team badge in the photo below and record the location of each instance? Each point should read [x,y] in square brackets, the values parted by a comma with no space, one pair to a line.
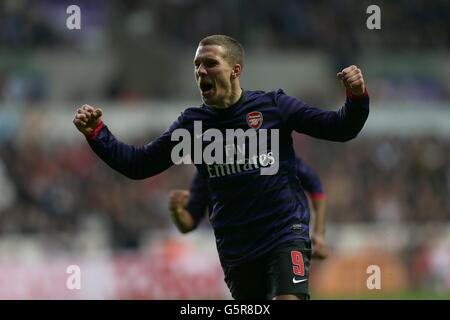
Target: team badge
[254,119]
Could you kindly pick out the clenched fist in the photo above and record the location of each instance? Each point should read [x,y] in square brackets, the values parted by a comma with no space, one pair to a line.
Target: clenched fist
[320,249]
[87,118]
[352,79]
[182,218]
[178,199]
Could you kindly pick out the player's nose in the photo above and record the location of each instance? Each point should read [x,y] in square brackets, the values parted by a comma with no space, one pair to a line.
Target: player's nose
[201,71]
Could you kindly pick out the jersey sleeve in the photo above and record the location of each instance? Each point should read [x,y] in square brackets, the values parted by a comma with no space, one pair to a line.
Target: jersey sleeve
[135,162]
[199,199]
[341,125]
[310,180]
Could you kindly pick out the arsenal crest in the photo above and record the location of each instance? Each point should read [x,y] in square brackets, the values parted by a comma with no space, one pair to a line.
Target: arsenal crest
[254,119]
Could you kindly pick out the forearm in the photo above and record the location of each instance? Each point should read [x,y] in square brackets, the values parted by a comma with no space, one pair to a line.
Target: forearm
[319,206]
[341,125]
[183,220]
[133,162]
[352,116]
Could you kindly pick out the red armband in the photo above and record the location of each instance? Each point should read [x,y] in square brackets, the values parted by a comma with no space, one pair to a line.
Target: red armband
[96,131]
[355,97]
[317,195]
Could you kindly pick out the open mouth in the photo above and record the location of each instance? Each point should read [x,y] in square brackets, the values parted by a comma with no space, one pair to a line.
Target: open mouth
[206,88]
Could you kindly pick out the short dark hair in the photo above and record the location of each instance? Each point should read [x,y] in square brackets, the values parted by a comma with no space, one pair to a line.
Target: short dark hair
[235,50]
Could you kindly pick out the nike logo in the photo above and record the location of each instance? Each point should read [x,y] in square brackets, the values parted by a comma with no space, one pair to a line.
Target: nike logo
[298,281]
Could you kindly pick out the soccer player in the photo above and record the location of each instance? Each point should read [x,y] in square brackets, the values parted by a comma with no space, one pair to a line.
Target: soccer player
[188,208]
[260,221]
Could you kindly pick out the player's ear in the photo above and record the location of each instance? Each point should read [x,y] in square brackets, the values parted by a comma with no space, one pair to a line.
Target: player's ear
[236,72]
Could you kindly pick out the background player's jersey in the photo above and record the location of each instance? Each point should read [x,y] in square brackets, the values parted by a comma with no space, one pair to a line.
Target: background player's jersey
[252,213]
[200,198]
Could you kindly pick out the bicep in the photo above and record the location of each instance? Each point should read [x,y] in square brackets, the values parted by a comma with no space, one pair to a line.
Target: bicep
[301,117]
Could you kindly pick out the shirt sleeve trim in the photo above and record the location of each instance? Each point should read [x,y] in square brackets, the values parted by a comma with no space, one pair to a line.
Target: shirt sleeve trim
[96,131]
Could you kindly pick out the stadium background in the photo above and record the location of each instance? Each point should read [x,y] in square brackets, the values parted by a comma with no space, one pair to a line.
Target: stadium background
[387,191]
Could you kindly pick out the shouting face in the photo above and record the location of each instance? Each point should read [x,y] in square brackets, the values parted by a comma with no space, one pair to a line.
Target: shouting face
[216,78]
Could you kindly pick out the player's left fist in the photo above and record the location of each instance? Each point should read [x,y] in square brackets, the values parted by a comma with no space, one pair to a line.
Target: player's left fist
[353,80]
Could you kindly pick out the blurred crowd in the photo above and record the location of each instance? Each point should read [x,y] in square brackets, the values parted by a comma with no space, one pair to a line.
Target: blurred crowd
[144,36]
[384,179]
[332,25]
[51,191]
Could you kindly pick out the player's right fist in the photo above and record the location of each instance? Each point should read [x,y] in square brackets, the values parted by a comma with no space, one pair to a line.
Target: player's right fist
[87,118]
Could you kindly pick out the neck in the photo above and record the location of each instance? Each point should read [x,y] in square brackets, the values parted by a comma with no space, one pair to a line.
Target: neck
[233,98]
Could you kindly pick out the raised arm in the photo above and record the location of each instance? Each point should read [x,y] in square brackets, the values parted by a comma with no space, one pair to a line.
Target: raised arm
[133,162]
[341,125]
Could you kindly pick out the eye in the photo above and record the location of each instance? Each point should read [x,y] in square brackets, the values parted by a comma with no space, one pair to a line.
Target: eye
[211,64]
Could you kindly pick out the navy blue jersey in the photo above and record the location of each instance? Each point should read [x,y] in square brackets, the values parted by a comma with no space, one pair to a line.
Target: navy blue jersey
[310,180]
[200,198]
[252,213]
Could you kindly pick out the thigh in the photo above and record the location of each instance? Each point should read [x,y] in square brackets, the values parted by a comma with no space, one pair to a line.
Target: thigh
[288,272]
[247,281]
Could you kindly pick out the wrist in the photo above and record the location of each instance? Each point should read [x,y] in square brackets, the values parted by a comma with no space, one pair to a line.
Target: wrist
[94,133]
[357,95]
[319,232]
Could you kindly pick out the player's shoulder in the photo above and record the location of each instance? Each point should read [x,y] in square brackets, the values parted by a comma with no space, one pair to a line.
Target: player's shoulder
[196,112]
[260,93]
[193,109]
[264,97]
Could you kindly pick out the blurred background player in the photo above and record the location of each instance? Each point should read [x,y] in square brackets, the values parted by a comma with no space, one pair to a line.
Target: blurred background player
[188,208]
